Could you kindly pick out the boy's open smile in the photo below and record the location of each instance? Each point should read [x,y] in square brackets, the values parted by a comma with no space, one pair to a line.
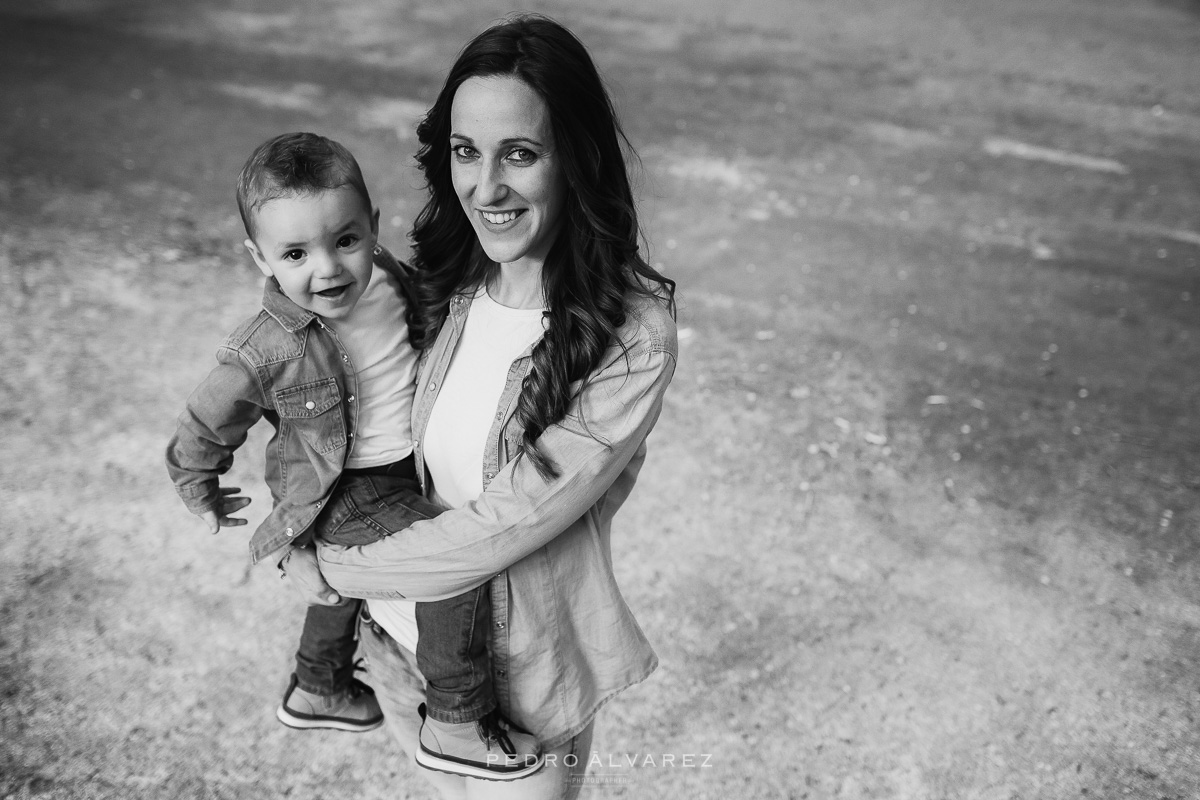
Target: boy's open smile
[335,292]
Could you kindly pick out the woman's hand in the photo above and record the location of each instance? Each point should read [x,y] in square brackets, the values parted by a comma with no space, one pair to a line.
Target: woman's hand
[300,567]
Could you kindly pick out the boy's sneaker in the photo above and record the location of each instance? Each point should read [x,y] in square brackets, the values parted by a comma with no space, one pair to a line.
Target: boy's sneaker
[353,709]
[491,748]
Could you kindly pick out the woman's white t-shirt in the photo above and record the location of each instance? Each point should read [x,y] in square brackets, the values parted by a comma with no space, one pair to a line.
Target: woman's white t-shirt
[462,417]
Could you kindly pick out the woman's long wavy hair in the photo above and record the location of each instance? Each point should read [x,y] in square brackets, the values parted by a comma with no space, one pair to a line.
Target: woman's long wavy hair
[594,264]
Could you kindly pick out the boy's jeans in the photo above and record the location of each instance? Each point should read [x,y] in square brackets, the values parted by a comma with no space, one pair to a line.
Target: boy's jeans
[368,505]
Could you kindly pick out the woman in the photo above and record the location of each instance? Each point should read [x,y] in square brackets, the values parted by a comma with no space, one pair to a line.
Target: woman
[548,343]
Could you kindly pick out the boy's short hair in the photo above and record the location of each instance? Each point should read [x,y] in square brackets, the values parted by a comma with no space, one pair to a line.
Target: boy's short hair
[295,163]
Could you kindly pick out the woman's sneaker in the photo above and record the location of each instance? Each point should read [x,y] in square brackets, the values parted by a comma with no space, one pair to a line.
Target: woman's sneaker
[492,748]
[353,709]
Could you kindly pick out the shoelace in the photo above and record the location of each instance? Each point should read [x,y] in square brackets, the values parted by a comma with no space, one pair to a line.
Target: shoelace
[357,688]
[492,733]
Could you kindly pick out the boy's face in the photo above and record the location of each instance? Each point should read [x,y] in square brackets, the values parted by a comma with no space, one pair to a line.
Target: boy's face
[319,247]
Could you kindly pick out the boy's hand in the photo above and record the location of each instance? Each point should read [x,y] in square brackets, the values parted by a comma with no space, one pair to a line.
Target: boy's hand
[228,503]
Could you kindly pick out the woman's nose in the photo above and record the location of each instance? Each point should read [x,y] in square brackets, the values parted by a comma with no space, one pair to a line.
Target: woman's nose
[491,188]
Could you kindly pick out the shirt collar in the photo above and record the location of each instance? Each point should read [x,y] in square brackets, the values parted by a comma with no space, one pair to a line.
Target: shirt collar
[291,316]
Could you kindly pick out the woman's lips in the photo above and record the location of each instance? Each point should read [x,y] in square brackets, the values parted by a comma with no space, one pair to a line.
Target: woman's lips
[501,217]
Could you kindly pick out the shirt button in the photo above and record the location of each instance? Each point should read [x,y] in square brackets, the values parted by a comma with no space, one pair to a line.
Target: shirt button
[501,673]
[290,532]
[310,405]
[491,475]
[499,414]
[350,399]
[433,384]
[500,625]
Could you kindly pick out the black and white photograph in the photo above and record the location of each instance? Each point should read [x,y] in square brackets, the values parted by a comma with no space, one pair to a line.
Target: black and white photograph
[637,400]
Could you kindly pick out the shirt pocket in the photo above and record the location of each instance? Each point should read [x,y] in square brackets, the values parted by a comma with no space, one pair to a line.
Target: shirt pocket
[314,411]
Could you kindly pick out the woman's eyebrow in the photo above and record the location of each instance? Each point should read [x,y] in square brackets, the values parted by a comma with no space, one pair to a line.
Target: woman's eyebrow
[521,140]
[510,140]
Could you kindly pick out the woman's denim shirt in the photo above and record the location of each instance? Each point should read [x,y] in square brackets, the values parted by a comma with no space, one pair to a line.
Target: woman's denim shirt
[563,640]
[286,366]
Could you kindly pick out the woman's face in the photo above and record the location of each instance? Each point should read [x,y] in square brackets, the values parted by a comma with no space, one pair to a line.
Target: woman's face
[505,169]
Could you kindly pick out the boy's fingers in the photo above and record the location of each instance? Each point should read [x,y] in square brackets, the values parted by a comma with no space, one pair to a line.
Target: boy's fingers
[231,521]
[210,519]
[229,489]
[234,503]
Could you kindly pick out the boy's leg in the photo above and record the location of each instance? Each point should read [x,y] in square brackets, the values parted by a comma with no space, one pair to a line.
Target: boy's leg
[452,654]
[323,692]
[463,733]
[325,658]
[367,506]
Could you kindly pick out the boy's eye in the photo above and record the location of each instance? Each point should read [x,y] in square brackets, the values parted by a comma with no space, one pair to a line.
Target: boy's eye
[293,255]
[347,241]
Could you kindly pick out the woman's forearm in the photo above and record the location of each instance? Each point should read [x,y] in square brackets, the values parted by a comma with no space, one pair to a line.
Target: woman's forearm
[520,511]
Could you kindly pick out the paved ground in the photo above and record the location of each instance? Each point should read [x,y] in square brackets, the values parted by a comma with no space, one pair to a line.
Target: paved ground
[920,520]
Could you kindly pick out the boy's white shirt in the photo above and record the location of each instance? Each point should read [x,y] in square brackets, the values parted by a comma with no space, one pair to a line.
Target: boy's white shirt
[462,416]
[376,337]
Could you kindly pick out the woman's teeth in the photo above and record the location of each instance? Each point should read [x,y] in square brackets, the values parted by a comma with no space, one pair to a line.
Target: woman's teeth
[499,219]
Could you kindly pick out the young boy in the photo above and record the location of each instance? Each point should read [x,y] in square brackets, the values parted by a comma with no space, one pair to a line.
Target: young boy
[327,362]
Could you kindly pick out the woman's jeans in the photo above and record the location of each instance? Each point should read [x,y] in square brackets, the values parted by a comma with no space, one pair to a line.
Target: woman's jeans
[368,505]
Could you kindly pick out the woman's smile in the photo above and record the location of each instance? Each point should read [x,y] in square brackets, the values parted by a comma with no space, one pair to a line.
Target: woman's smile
[500,218]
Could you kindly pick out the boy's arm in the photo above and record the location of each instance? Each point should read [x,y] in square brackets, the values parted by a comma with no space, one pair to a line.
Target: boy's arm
[218,415]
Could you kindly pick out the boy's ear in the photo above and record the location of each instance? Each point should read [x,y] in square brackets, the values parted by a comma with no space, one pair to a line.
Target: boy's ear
[257,255]
[375,223]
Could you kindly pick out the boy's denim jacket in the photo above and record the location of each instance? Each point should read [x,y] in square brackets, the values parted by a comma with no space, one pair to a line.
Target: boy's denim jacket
[563,640]
[286,366]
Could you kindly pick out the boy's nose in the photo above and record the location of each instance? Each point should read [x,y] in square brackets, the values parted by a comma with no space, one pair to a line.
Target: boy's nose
[328,267]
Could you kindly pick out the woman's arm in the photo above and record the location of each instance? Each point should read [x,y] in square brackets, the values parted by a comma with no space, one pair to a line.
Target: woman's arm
[520,511]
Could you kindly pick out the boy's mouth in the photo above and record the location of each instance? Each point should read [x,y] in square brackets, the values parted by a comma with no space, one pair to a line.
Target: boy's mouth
[334,293]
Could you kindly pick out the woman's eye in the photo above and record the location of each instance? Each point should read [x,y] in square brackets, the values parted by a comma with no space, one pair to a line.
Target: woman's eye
[347,241]
[464,152]
[522,156]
